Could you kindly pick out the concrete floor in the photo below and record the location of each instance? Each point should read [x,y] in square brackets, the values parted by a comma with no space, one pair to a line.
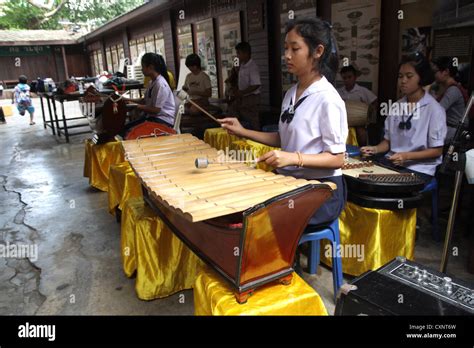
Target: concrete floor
[45,201]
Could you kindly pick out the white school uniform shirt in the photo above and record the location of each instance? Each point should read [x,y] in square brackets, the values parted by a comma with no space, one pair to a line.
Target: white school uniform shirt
[358,93]
[249,75]
[319,125]
[428,130]
[159,94]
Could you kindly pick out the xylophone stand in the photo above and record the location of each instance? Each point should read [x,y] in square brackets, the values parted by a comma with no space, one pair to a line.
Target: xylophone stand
[455,159]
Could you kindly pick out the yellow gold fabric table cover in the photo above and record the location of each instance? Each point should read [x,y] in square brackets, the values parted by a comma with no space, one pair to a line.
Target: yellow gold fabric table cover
[218,138]
[97,162]
[123,185]
[257,150]
[352,137]
[213,296]
[163,264]
[383,235]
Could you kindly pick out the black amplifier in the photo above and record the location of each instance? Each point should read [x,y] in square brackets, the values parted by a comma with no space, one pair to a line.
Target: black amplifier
[403,287]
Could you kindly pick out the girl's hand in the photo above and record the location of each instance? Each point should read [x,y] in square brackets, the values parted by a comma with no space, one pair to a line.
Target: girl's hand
[233,126]
[399,158]
[368,151]
[279,159]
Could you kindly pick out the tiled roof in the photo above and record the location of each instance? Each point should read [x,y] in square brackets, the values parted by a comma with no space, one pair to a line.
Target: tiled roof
[27,37]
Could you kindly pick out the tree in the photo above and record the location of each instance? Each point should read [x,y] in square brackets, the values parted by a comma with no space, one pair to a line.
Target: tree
[46,14]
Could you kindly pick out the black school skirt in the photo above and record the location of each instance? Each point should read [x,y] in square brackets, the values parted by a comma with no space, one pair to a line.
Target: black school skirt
[333,207]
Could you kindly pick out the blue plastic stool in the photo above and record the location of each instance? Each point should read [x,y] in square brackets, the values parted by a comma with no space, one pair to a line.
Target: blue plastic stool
[352,150]
[433,187]
[330,232]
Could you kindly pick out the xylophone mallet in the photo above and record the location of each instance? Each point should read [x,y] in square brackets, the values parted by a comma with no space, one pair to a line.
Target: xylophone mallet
[204,162]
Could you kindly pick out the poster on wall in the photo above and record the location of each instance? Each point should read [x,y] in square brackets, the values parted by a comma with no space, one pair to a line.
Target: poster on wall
[229,36]
[160,44]
[185,41]
[356,26]
[416,40]
[206,51]
[296,9]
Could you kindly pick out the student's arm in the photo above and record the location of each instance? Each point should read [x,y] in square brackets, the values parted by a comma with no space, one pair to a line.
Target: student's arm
[382,147]
[278,159]
[401,157]
[233,127]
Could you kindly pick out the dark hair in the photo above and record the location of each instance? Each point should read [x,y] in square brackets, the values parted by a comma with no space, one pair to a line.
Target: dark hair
[421,66]
[244,47]
[317,32]
[22,79]
[158,63]
[446,63]
[193,60]
[348,69]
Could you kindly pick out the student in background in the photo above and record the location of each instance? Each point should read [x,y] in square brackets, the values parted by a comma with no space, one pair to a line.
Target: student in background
[451,95]
[158,105]
[414,130]
[22,99]
[247,96]
[197,85]
[353,91]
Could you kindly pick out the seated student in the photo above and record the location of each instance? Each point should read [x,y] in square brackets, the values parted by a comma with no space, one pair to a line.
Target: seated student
[313,123]
[21,96]
[158,105]
[247,95]
[450,94]
[197,85]
[354,91]
[415,128]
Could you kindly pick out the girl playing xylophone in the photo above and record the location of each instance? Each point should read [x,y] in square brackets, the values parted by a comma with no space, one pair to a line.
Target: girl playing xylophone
[416,125]
[313,122]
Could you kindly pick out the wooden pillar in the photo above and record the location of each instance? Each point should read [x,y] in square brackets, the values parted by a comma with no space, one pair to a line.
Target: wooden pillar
[66,70]
[389,48]
[125,43]
[274,54]
[104,57]
[323,9]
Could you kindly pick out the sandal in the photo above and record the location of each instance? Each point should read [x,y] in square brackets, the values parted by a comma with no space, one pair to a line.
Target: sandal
[32,123]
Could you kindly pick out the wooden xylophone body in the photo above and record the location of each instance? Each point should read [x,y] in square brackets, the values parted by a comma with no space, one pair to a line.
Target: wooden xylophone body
[242,221]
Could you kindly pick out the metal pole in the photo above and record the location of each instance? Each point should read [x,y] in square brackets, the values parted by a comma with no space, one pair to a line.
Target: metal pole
[452,216]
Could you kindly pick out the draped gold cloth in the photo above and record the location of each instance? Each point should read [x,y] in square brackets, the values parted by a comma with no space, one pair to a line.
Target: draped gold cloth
[381,234]
[352,137]
[97,162]
[218,138]
[214,296]
[163,264]
[256,149]
[123,185]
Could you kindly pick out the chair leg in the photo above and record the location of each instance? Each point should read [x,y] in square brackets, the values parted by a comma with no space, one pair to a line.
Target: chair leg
[313,258]
[337,264]
[434,214]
